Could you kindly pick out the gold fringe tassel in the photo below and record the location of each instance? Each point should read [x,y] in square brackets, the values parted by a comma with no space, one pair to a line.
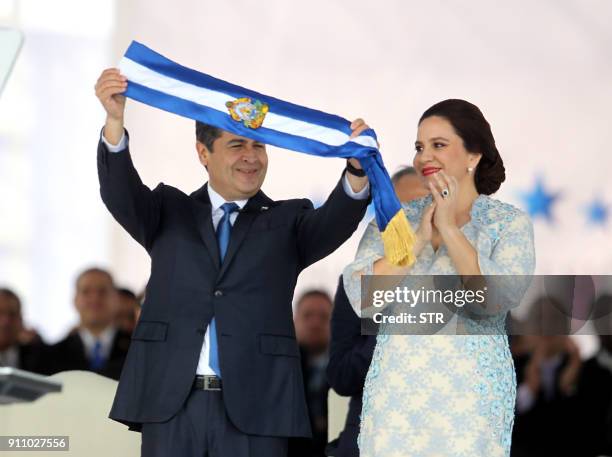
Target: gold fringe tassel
[398,239]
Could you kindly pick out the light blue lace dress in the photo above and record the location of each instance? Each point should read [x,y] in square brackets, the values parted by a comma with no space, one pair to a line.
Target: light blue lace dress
[445,395]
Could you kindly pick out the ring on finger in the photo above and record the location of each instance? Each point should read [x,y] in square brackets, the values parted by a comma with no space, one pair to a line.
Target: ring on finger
[445,193]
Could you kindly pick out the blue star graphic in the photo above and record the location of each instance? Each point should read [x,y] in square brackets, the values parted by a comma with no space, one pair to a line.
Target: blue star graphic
[597,212]
[539,201]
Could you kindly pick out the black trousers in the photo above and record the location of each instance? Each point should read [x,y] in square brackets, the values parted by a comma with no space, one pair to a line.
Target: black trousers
[202,429]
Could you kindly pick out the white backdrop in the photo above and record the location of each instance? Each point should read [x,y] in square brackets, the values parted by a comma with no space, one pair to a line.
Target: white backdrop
[540,72]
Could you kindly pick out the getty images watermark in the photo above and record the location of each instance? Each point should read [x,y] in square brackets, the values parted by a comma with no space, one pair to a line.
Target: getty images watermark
[411,298]
[519,305]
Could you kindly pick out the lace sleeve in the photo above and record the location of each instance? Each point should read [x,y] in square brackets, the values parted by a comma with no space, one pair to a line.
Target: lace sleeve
[370,250]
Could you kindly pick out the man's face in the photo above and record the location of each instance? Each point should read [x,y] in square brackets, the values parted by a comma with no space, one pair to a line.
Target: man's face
[10,321]
[95,300]
[236,165]
[312,323]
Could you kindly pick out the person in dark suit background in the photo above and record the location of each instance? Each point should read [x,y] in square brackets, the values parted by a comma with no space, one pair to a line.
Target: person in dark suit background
[214,368]
[312,316]
[350,351]
[594,392]
[128,310]
[17,351]
[350,356]
[96,344]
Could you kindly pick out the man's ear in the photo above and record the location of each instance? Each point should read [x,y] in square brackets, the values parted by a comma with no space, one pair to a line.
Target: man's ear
[203,153]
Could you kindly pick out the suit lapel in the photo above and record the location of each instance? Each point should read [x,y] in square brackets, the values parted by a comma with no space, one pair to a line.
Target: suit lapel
[202,212]
[247,215]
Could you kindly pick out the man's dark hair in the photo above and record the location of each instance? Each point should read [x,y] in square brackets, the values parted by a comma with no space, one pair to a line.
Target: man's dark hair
[403,171]
[313,293]
[125,292]
[207,134]
[8,293]
[94,270]
[470,124]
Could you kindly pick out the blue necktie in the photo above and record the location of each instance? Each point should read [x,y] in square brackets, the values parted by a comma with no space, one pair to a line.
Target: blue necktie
[223,236]
[97,360]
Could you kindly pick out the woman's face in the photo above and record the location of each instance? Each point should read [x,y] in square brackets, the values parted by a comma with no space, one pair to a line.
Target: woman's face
[438,147]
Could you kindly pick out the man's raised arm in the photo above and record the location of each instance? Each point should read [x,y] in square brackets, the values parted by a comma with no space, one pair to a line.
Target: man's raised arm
[131,203]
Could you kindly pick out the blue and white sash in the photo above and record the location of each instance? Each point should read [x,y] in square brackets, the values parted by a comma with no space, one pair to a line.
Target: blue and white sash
[159,82]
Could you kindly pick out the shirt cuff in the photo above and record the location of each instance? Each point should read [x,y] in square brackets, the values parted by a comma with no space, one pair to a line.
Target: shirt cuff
[114,147]
[361,195]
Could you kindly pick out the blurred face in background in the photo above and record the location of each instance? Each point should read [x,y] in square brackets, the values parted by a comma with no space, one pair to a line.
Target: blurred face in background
[10,321]
[96,300]
[312,322]
[409,187]
[127,312]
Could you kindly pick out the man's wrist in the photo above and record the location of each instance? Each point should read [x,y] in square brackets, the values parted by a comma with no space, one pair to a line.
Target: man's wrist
[113,130]
[353,170]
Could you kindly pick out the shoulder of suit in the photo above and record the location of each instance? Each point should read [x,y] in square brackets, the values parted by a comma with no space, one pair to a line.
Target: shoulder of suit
[70,339]
[293,203]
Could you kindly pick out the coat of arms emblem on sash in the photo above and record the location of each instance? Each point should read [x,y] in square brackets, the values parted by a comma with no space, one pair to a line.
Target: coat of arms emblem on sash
[248,111]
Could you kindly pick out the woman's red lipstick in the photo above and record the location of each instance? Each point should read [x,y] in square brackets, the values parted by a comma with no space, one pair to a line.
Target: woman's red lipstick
[430,170]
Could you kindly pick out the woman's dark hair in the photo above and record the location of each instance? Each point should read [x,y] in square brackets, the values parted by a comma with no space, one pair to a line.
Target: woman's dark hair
[470,124]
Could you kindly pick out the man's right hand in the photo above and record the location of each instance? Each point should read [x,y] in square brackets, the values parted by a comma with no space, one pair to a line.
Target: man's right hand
[109,87]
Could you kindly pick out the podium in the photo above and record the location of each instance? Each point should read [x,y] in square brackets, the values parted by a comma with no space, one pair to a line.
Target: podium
[18,386]
[79,412]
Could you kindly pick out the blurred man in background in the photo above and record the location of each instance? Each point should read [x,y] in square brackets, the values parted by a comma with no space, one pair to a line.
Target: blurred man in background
[547,379]
[19,348]
[128,310]
[594,394]
[408,185]
[96,344]
[312,329]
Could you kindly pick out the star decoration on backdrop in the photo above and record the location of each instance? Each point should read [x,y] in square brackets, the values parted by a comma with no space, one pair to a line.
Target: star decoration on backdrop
[597,212]
[538,202]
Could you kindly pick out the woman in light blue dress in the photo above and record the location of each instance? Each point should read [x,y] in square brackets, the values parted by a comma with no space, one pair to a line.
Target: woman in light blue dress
[447,395]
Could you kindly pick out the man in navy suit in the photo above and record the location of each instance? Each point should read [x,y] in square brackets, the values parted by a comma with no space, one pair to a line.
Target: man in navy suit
[213,368]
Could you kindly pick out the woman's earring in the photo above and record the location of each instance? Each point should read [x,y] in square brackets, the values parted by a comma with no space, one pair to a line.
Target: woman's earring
[470,170]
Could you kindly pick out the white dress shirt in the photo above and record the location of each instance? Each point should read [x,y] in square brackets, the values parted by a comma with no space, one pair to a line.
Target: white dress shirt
[106,339]
[216,201]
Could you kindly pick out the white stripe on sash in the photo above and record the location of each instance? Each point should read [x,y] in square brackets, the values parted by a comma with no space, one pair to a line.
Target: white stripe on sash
[216,100]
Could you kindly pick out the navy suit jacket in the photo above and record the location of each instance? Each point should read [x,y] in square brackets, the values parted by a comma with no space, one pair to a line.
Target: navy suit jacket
[349,360]
[250,295]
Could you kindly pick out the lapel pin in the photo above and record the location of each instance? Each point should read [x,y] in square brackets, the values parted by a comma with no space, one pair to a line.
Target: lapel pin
[264,208]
